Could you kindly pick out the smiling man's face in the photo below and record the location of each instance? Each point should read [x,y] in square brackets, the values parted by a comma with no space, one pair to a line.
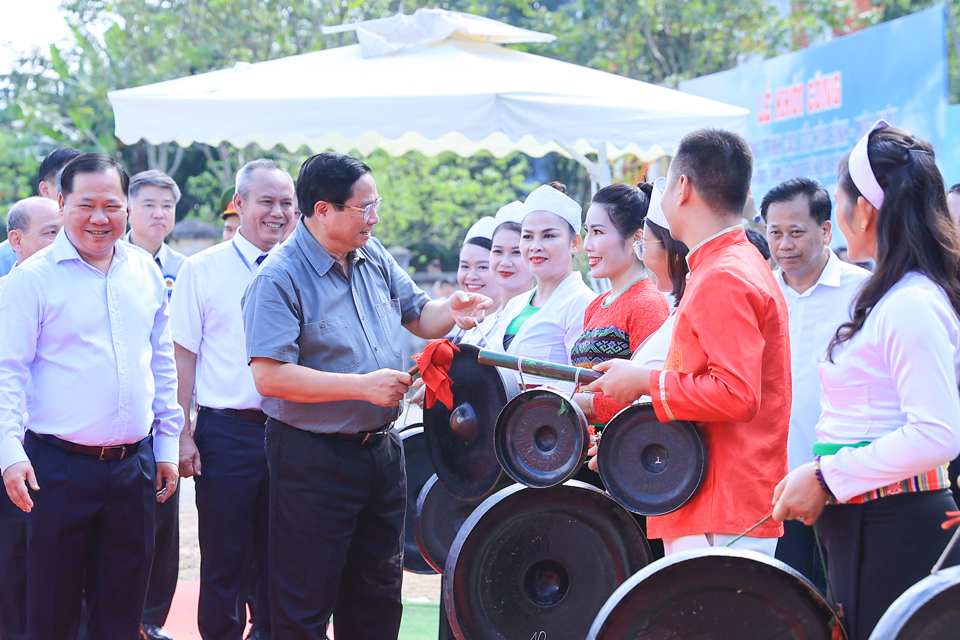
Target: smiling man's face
[95,214]
[266,209]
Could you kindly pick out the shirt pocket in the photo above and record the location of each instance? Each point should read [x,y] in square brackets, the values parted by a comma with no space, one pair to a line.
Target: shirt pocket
[850,409]
[389,317]
[329,345]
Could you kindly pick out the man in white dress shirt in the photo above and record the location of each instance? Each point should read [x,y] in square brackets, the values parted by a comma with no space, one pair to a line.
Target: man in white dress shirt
[86,335]
[32,224]
[225,451]
[153,207]
[818,288]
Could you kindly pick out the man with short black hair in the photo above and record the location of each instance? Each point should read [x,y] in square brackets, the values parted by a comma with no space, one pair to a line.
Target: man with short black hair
[85,335]
[322,320]
[728,368]
[818,288]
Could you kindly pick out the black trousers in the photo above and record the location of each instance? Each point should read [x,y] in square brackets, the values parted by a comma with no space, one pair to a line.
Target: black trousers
[336,535]
[13,570]
[166,562]
[879,549]
[92,526]
[798,548]
[232,507]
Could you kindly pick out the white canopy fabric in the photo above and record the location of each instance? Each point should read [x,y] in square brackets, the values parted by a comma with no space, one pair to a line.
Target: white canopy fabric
[457,94]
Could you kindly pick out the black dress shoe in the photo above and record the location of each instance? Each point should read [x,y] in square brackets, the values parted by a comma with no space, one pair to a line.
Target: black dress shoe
[153,632]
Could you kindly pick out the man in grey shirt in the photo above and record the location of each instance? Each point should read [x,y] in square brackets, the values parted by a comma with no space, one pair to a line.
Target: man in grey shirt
[323,321]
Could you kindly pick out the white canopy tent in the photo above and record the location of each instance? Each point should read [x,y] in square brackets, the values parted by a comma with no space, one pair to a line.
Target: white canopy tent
[432,82]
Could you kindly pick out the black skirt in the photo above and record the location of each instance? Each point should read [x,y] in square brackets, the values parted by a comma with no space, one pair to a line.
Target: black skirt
[879,549]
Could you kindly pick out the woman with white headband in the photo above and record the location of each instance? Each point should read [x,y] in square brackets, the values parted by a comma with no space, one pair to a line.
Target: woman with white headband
[877,484]
[616,323]
[474,273]
[545,324]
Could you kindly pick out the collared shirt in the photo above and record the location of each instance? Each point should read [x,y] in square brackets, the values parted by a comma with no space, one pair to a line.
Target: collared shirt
[168,260]
[302,308]
[205,318]
[893,384]
[8,257]
[815,316]
[728,370]
[93,352]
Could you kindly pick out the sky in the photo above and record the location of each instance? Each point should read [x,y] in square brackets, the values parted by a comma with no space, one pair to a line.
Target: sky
[25,24]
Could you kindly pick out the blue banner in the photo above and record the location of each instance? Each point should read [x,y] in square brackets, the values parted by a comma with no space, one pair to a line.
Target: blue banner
[810,107]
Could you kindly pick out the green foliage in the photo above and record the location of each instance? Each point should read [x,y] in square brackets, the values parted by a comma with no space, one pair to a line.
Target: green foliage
[429,203]
[58,97]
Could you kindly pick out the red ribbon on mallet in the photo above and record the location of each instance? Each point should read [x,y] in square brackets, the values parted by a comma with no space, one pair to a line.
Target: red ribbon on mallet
[434,364]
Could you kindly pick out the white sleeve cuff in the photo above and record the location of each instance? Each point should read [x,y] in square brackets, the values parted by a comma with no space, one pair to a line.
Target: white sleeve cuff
[11,452]
[166,449]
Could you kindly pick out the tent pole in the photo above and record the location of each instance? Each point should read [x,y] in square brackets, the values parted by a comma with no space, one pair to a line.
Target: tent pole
[599,172]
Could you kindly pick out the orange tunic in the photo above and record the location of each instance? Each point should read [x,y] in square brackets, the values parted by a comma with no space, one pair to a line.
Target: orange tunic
[728,370]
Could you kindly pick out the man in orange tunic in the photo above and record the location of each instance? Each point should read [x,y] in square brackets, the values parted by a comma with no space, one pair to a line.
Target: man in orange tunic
[728,368]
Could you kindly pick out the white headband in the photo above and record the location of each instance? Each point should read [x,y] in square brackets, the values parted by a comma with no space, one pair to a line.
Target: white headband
[512,212]
[482,228]
[546,198]
[862,173]
[655,210]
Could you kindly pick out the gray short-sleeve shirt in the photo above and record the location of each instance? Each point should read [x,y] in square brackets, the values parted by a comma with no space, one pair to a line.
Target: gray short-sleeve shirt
[302,308]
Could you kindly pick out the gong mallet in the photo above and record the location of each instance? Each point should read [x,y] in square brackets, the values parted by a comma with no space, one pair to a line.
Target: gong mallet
[563,372]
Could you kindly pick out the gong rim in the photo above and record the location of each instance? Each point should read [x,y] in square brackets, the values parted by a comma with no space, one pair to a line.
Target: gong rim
[467,465]
[486,540]
[433,538]
[635,462]
[414,451]
[903,619]
[638,608]
[537,453]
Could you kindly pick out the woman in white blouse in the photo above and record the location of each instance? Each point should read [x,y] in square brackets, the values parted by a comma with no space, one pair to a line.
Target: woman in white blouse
[544,324]
[890,421]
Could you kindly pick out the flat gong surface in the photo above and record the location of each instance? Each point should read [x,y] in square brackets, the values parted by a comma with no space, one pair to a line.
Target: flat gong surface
[440,515]
[419,469]
[542,438]
[460,442]
[539,563]
[929,610]
[651,468]
[715,594]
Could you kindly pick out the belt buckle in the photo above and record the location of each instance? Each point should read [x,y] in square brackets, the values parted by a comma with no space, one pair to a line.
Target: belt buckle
[104,450]
[372,436]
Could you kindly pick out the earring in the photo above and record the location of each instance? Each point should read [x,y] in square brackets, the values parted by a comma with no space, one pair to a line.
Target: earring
[863,226]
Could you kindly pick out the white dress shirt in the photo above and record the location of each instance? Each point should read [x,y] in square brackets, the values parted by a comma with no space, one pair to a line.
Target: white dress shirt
[167,259]
[92,351]
[206,319]
[814,316]
[893,384]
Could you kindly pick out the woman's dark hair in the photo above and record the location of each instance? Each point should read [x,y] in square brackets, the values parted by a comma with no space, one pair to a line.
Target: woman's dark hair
[676,258]
[485,243]
[914,229]
[509,226]
[559,186]
[91,163]
[327,177]
[626,205]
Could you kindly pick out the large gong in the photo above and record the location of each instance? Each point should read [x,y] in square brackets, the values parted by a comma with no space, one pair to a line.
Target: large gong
[649,467]
[715,594]
[541,438]
[440,515]
[419,469]
[460,441]
[539,563]
[929,610]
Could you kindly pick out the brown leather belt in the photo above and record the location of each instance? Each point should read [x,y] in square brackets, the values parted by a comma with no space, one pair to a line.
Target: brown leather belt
[115,452]
[248,415]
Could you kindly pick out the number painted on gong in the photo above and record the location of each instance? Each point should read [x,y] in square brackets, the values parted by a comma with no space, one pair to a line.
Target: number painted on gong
[539,635]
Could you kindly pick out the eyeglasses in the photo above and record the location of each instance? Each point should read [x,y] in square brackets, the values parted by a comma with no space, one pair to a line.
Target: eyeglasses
[637,243]
[368,210]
